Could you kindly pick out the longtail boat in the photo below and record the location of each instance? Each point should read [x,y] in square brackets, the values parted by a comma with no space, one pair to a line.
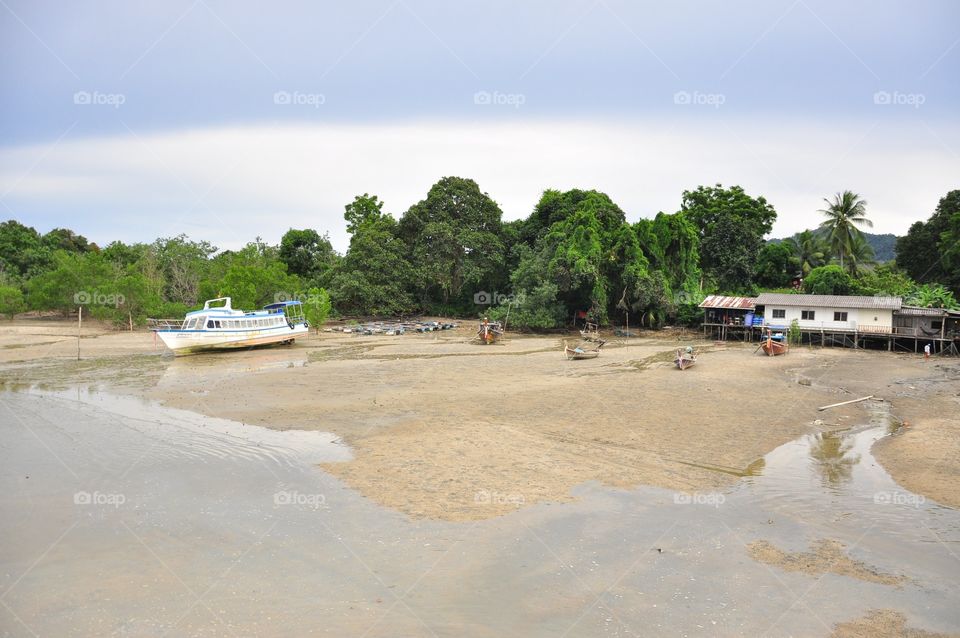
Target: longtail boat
[685,359]
[489,332]
[773,347]
[582,353]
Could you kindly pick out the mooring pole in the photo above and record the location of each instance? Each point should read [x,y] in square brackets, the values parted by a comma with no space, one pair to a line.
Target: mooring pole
[79,326]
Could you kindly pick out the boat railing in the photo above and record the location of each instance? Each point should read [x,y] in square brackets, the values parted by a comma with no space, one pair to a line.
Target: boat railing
[164,324]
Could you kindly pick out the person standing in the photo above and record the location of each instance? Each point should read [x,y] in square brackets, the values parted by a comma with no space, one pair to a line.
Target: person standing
[926,352]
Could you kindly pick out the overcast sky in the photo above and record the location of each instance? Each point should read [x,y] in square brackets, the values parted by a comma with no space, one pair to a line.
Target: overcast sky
[231,120]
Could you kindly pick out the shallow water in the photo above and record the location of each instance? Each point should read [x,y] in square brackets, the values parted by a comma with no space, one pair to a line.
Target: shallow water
[121,517]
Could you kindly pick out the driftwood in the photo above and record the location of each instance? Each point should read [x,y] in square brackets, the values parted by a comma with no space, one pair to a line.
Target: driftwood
[837,405]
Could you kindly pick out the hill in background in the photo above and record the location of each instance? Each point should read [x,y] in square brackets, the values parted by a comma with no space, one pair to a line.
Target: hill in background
[883,245]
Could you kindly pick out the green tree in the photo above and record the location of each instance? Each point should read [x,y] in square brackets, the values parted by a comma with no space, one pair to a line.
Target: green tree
[253,277]
[885,280]
[860,254]
[307,254]
[183,264]
[11,301]
[22,250]
[66,239]
[732,226]
[363,208]
[776,265]
[374,276]
[932,296]
[809,250]
[829,280]
[453,238]
[930,251]
[317,307]
[844,214]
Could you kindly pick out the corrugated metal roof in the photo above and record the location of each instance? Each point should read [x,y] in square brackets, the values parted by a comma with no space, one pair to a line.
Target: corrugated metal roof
[829,301]
[731,303]
[922,312]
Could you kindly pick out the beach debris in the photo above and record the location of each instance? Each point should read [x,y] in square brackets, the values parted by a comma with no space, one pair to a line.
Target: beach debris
[837,405]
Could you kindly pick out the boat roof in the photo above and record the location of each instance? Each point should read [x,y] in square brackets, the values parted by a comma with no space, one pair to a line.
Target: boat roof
[283,304]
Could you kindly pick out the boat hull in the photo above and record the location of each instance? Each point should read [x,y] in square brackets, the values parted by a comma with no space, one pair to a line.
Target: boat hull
[192,341]
[774,348]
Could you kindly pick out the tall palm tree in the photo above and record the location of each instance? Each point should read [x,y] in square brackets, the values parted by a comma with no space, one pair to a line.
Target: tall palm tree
[859,253]
[844,214]
[809,250]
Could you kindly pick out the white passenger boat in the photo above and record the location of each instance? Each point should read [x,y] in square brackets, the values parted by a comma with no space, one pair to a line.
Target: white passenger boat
[219,327]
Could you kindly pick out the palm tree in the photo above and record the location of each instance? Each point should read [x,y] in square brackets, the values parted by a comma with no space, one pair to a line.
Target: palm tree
[809,250]
[844,214]
[859,253]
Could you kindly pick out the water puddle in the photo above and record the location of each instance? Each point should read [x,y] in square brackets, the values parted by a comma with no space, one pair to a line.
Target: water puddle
[195,435]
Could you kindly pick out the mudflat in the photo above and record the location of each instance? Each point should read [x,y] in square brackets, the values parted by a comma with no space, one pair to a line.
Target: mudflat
[442,428]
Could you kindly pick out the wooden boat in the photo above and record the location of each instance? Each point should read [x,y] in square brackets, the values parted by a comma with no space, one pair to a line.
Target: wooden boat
[590,332]
[772,347]
[489,332]
[582,353]
[685,359]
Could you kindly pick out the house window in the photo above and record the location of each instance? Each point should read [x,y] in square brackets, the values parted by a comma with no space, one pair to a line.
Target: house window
[936,325]
[807,315]
[779,313]
[839,316]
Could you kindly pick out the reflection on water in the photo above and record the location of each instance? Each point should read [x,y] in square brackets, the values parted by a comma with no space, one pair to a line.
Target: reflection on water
[831,455]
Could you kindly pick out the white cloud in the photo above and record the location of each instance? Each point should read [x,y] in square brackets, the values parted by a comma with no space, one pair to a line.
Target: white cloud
[230,184]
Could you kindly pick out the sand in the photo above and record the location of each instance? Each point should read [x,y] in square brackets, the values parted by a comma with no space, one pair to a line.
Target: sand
[882,623]
[444,429]
[825,556]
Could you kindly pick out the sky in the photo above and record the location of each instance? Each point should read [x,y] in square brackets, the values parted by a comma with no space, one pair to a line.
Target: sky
[232,120]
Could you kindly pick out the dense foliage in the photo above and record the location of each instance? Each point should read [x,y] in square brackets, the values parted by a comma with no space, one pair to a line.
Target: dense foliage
[574,256]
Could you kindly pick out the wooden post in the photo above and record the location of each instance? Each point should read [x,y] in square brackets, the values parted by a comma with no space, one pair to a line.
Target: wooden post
[79,326]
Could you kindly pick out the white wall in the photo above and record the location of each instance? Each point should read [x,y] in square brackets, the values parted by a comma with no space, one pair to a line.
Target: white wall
[862,319]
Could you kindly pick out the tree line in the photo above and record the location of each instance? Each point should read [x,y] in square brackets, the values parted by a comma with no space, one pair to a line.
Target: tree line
[453,254]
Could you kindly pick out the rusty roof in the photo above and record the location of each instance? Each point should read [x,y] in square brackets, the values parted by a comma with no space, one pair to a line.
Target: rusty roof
[729,303]
[923,312]
[829,301]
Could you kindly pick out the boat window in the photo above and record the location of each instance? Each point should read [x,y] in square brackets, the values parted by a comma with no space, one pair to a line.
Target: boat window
[217,324]
[210,324]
